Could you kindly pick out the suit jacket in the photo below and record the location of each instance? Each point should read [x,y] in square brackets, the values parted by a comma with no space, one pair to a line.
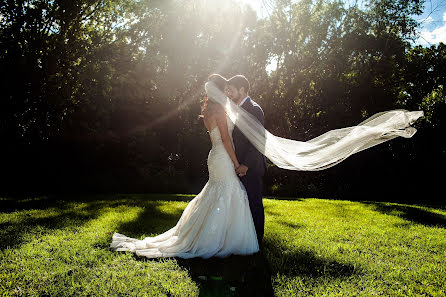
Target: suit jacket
[246,153]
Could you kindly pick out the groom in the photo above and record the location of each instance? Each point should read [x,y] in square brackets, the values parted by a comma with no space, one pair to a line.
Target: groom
[252,162]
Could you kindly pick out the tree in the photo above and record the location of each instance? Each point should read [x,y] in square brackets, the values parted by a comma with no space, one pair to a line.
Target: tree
[104,95]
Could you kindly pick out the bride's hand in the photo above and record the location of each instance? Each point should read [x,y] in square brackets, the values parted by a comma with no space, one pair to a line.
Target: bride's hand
[241,170]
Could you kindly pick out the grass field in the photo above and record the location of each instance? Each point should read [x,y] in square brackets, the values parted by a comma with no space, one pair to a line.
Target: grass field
[313,247]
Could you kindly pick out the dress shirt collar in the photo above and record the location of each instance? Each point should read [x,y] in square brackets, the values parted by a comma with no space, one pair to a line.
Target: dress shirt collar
[243,101]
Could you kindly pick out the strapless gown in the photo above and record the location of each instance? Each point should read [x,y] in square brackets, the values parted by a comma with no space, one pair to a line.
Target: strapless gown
[216,223]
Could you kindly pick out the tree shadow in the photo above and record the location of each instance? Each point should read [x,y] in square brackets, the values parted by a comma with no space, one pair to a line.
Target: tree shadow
[56,213]
[12,204]
[426,199]
[61,216]
[291,261]
[410,213]
[136,197]
[288,224]
[269,211]
[295,262]
[286,198]
[151,221]
[275,215]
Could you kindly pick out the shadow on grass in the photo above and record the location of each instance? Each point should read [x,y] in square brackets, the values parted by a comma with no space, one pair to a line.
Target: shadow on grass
[288,224]
[293,262]
[253,275]
[243,275]
[232,276]
[58,216]
[276,215]
[151,221]
[410,213]
[24,202]
[284,198]
[54,213]
[12,204]
[235,275]
[130,197]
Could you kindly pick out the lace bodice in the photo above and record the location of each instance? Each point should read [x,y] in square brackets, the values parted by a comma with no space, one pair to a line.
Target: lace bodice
[215,133]
[220,165]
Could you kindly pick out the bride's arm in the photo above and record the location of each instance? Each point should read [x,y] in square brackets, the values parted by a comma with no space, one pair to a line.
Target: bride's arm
[226,139]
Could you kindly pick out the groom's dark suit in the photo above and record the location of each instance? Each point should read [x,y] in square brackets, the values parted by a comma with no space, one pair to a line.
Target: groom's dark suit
[248,155]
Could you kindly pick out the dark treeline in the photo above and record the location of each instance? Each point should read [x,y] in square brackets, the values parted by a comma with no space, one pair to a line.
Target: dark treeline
[104,96]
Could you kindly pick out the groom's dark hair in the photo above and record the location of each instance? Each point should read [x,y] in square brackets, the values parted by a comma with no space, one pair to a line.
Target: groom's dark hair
[239,81]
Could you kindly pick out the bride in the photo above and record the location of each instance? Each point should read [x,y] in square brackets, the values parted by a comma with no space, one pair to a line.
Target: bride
[218,221]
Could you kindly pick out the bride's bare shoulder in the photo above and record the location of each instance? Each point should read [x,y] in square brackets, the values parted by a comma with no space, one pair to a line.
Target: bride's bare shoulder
[214,110]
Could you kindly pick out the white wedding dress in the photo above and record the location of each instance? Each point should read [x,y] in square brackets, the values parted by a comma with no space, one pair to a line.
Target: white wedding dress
[216,223]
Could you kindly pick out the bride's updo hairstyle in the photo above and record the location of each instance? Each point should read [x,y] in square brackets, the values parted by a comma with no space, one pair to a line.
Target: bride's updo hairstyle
[220,82]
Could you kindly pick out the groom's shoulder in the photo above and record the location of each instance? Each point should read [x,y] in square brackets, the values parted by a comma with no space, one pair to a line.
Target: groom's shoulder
[256,110]
[255,104]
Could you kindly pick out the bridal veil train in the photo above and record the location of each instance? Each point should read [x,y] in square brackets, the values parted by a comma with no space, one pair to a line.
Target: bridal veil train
[218,222]
[323,151]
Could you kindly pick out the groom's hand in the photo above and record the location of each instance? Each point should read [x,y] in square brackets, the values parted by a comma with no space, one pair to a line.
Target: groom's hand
[241,170]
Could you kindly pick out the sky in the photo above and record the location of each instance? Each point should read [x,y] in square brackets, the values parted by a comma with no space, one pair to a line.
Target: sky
[433,28]
[431,31]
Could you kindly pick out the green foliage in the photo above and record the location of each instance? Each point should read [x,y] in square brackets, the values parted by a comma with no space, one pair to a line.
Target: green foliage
[335,65]
[431,102]
[424,78]
[98,95]
[59,246]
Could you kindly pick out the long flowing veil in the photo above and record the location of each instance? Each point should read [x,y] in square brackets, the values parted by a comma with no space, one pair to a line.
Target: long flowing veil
[323,151]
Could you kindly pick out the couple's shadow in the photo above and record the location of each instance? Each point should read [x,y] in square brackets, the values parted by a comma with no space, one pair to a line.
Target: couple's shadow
[247,275]
[232,276]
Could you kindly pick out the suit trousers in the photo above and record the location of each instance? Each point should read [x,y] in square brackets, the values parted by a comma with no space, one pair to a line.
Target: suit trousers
[253,186]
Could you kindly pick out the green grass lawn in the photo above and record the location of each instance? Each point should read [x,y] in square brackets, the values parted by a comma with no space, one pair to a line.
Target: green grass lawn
[313,247]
